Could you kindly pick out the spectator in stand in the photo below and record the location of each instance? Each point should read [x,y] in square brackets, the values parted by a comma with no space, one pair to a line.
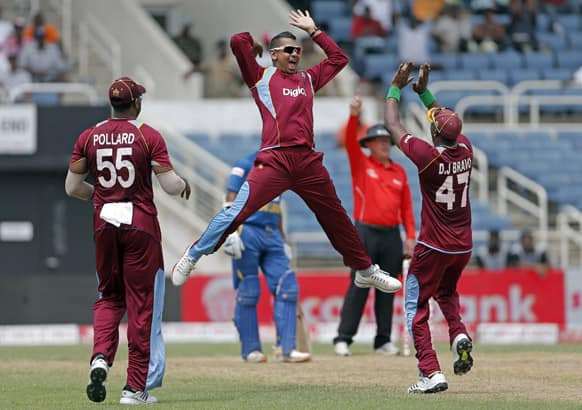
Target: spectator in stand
[415,32]
[5,28]
[51,32]
[522,28]
[382,11]
[489,35]
[526,254]
[15,41]
[368,36]
[222,78]
[494,254]
[15,76]
[189,45]
[44,61]
[452,30]
[365,25]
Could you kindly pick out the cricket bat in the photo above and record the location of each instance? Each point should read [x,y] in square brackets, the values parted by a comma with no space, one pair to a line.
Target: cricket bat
[404,333]
[303,340]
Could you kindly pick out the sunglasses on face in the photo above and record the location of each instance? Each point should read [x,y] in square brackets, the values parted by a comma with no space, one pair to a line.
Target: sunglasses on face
[288,49]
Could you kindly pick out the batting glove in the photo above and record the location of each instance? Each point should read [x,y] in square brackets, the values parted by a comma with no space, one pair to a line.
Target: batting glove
[233,246]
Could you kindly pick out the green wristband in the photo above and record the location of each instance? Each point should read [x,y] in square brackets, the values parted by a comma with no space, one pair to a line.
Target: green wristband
[393,92]
[427,98]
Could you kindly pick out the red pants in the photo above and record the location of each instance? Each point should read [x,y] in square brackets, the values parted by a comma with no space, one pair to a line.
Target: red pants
[433,274]
[301,170]
[131,278]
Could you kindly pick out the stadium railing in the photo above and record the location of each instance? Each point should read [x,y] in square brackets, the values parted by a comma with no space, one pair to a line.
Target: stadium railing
[92,36]
[60,88]
[570,228]
[512,188]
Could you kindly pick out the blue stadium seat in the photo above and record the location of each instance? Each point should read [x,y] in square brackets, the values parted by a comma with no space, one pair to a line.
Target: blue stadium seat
[570,22]
[507,60]
[493,75]
[460,75]
[446,61]
[538,60]
[340,29]
[575,40]
[569,59]
[325,10]
[202,139]
[555,41]
[376,65]
[476,61]
[561,74]
[515,76]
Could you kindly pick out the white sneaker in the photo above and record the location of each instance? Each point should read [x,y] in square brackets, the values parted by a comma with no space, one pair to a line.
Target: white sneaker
[389,349]
[97,377]
[294,357]
[342,349]
[378,279]
[435,383]
[138,397]
[256,357]
[182,269]
[462,360]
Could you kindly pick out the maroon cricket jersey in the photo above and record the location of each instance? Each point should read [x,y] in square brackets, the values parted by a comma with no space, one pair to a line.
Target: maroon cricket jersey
[444,174]
[285,101]
[120,155]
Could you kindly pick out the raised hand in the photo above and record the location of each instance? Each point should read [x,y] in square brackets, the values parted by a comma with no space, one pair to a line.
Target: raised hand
[302,20]
[356,104]
[419,86]
[402,76]
[257,48]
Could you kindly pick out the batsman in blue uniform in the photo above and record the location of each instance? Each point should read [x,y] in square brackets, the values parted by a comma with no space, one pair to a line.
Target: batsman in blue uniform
[259,242]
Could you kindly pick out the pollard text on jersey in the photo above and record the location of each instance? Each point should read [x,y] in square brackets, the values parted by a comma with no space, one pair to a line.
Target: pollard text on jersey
[114,139]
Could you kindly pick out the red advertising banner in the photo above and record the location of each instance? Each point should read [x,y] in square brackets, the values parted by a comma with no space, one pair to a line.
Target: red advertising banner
[507,296]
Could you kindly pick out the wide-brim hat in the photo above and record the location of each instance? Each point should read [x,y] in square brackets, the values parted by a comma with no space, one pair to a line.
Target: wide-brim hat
[375,131]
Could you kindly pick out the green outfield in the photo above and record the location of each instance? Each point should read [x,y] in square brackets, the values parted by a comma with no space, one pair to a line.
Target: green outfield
[212,376]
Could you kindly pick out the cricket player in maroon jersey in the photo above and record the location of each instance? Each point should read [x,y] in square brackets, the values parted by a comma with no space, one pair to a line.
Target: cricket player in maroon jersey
[445,241]
[287,159]
[120,153]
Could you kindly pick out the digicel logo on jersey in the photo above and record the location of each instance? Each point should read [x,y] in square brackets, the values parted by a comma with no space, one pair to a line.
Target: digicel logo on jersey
[294,92]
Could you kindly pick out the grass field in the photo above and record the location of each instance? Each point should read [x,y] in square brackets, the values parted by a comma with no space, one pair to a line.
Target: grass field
[212,376]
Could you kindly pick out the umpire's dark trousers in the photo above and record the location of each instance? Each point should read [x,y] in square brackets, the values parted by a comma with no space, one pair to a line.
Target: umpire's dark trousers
[384,245]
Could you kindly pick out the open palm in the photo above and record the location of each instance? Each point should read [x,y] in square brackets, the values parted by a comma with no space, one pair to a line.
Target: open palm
[301,20]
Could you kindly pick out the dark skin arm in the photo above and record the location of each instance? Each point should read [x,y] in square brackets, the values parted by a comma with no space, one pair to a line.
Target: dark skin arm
[391,115]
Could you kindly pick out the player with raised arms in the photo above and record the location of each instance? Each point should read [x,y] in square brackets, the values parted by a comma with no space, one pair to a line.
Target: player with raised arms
[445,241]
[287,159]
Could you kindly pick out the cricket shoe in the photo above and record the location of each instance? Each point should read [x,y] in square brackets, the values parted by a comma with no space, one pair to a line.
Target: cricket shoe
[256,357]
[434,383]
[462,360]
[342,349]
[388,349]
[135,397]
[378,279]
[183,268]
[97,377]
[294,357]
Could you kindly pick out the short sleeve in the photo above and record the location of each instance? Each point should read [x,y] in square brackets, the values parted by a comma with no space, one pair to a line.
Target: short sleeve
[79,149]
[418,150]
[158,149]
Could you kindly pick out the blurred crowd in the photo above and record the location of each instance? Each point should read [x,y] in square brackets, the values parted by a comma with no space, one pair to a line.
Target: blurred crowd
[450,24]
[30,51]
